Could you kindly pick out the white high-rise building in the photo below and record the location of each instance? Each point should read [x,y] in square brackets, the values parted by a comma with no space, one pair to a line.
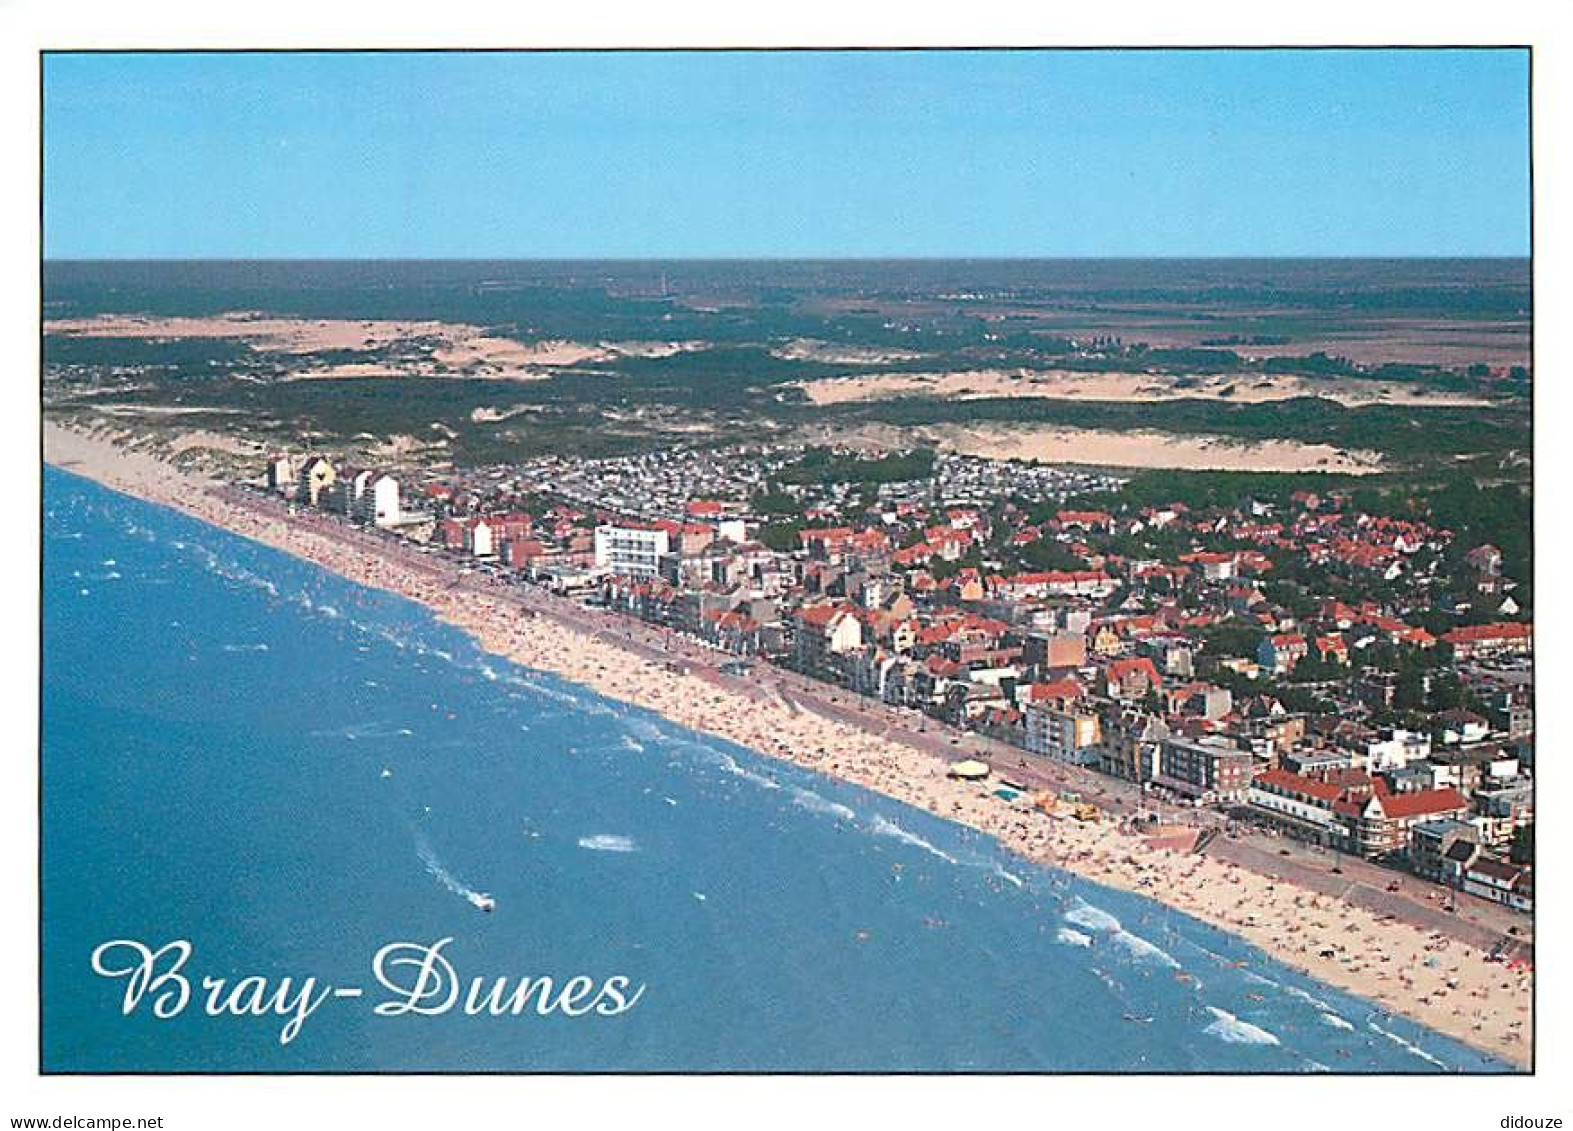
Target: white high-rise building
[382,506]
[631,551]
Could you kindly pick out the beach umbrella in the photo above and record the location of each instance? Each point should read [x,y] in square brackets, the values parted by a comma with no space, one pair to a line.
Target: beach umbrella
[970,770]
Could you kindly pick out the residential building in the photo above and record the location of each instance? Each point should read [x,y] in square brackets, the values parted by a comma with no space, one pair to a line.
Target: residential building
[631,550]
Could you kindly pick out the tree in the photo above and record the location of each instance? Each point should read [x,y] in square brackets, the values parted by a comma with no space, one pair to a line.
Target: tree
[781,536]
[1523,850]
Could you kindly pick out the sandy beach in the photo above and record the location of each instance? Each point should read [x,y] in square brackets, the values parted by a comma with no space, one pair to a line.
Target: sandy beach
[1436,981]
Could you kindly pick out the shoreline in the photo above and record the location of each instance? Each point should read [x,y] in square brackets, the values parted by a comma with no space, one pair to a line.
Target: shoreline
[1380,960]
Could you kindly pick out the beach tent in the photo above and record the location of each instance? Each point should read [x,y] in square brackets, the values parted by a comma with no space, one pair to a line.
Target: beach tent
[969,770]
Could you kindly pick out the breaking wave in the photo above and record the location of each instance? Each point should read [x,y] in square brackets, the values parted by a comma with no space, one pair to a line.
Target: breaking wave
[814,803]
[1408,1047]
[1142,950]
[1093,918]
[1227,1027]
[883,827]
[608,842]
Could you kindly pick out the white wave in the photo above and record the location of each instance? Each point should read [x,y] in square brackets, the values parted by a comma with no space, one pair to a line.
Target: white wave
[883,827]
[731,766]
[1336,1021]
[1309,999]
[1405,1045]
[357,731]
[1227,1027]
[1072,938]
[1142,950]
[1093,918]
[608,842]
[1010,877]
[814,803]
[628,742]
[245,647]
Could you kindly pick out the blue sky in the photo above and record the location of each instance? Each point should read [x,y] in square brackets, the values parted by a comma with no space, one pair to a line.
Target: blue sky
[787,154]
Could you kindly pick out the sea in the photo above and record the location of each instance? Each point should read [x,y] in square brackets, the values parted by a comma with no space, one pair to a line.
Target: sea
[290,773]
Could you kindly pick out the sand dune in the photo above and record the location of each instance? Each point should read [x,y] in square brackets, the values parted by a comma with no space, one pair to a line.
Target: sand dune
[1121,388]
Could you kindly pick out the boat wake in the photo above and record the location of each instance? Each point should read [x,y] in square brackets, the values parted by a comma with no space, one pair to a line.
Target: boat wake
[448,880]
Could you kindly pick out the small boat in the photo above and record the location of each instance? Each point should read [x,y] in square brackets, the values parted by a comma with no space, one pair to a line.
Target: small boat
[484,902]
[1141,1019]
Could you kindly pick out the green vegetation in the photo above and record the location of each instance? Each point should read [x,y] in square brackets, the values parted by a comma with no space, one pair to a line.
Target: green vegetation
[823,466]
[781,536]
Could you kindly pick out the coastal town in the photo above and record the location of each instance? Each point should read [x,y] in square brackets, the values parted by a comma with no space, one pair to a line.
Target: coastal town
[1045,719]
[1355,685]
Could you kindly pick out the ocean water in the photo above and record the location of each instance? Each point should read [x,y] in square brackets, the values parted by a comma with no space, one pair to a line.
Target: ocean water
[291,772]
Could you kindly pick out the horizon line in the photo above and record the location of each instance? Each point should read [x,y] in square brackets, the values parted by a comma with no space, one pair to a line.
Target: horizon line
[1427,256]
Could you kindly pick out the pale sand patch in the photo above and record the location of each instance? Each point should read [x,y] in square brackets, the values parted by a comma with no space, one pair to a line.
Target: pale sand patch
[397,445]
[654,349]
[832,353]
[1147,449]
[263,332]
[489,413]
[1444,984]
[1122,388]
[511,358]
[200,438]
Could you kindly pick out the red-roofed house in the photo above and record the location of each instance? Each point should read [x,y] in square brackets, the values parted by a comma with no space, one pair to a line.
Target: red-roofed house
[824,631]
[1280,653]
[1331,649]
[1131,679]
[1084,520]
[1356,814]
[1060,693]
[1508,638]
